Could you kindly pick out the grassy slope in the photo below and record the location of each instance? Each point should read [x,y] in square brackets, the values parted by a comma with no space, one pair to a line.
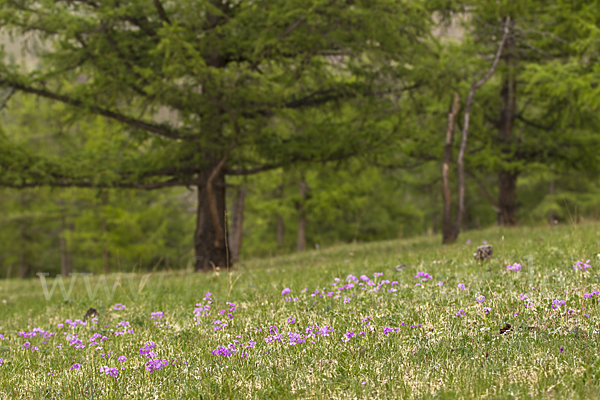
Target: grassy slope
[448,357]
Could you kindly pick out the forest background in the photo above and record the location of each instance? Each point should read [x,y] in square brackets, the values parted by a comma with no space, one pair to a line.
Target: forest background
[138,135]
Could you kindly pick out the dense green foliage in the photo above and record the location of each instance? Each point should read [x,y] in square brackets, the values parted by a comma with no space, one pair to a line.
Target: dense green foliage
[547,353]
[352,97]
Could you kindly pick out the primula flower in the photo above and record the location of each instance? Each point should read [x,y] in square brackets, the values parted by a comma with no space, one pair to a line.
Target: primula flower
[291,320]
[487,310]
[286,291]
[423,275]
[462,286]
[119,307]
[156,315]
[461,313]
[582,265]
[75,366]
[440,283]
[480,299]
[558,303]
[1,361]
[122,359]
[515,267]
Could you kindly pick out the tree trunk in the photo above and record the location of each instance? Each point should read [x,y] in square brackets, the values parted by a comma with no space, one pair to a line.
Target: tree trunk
[23,264]
[507,180]
[209,245]
[237,222]
[280,230]
[448,232]
[65,251]
[552,213]
[105,252]
[507,197]
[301,243]
[465,129]
[280,224]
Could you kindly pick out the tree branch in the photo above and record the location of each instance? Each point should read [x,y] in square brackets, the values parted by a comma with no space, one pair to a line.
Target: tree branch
[159,129]
[484,191]
[161,12]
[86,184]
[465,130]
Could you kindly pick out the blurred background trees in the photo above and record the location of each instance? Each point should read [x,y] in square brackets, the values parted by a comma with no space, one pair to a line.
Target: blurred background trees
[322,122]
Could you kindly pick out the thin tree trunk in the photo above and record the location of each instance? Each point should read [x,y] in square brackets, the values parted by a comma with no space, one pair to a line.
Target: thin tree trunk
[301,243]
[23,264]
[280,223]
[280,230]
[448,234]
[552,213]
[105,251]
[465,131]
[208,241]
[237,222]
[65,251]
[507,179]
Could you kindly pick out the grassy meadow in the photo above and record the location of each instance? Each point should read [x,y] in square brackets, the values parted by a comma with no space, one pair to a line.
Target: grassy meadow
[342,331]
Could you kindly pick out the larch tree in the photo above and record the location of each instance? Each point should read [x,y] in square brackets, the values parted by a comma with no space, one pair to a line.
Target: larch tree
[204,89]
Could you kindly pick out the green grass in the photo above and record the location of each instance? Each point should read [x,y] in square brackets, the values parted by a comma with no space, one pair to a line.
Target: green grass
[447,357]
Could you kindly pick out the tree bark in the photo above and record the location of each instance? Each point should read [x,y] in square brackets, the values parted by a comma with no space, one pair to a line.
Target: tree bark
[448,233]
[105,251]
[465,130]
[236,226]
[280,223]
[208,242]
[65,251]
[507,180]
[23,263]
[301,242]
[552,213]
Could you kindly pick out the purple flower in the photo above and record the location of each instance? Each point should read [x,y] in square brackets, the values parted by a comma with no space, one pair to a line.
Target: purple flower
[561,349]
[346,299]
[487,310]
[461,313]
[423,275]
[366,321]
[291,320]
[480,299]
[75,366]
[1,361]
[582,265]
[122,359]
[219,351]
[468,241]
[515,267]
[286,291]
[119,307]
[156,315]
[273,329]
[440,283]
[558,303]
[462,286]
